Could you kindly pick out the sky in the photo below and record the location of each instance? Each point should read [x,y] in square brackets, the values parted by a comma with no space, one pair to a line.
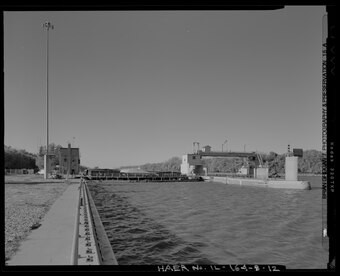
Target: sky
[136,87]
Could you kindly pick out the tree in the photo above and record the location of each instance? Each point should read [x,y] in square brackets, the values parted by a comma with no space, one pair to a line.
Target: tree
[172,164]
[277,165]
[18,159]
[53,150]
[269,157]
[83,168]
[311,162]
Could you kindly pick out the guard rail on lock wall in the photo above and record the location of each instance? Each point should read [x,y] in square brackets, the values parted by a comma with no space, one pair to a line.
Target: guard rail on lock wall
[91,245]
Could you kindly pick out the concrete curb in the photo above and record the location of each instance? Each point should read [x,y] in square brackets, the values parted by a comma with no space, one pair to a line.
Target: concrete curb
[276,184]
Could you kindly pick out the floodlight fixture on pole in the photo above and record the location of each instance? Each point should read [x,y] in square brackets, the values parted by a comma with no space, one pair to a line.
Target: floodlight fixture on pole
[47,25]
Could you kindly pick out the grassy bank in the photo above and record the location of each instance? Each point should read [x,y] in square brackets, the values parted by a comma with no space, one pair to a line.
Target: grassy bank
[29,179]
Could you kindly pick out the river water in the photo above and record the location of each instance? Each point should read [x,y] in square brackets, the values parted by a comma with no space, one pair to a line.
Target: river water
[212,223]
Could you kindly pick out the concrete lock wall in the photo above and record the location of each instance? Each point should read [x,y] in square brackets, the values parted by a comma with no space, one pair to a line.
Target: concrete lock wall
[291,168]
[262,173]
[198,170]
[191,163]
[194,159]
[185,168]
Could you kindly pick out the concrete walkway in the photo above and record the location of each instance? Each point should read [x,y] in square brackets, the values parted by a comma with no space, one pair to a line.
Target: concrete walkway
[51,243]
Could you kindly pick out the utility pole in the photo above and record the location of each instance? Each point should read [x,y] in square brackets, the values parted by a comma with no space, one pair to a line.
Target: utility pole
[47,25]
[196,149]
[224,143]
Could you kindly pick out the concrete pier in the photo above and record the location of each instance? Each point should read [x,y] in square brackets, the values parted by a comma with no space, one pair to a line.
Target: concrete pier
[280,184]
[289,184]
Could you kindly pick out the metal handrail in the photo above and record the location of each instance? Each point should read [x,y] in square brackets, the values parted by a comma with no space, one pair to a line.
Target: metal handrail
[75,243]
[91,222]
[107,256]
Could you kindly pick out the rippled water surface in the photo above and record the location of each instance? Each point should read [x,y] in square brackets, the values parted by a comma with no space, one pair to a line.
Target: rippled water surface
[212,223]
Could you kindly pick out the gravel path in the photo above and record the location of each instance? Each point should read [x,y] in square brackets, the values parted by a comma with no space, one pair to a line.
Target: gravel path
[25,206]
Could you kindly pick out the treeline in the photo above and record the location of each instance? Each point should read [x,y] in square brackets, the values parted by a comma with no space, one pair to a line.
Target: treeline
[172,164]
[19,159]
[310,163]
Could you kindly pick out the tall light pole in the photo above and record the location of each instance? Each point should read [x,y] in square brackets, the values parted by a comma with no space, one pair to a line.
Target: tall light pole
[47,25]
